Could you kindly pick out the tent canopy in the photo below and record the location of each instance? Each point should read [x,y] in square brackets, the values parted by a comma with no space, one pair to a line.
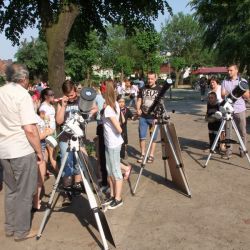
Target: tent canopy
[209,70]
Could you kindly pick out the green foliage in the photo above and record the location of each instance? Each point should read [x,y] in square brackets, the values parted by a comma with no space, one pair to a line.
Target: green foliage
[148,42]
[227,25]
[34,55]
[79,60]
[2,80]
[90,148]
[16,15]
[178,63]
[183,37]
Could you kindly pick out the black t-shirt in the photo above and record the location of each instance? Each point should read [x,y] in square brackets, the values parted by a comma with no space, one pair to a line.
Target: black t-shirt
[71,108]
[148,96]
[211,109]
[127,115]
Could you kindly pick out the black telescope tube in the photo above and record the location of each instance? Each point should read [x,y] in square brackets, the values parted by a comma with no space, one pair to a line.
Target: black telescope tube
[237,92]
[157,99]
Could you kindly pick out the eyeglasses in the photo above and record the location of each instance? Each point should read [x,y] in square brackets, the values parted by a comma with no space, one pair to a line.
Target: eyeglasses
[51,94]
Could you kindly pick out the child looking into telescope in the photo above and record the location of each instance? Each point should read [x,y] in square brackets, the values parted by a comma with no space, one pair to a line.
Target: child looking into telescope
[213,122]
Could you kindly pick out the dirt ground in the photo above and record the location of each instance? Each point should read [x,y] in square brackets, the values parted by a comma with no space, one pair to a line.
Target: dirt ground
[159,217]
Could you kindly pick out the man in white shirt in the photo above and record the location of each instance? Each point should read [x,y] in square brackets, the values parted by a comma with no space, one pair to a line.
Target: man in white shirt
[20,152]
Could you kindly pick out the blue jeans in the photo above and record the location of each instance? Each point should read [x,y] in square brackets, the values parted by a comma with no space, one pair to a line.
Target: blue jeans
[144,123]
[71,163]
[113,164]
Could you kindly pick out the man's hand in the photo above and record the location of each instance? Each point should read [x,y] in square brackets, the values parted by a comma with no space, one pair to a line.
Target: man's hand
[40,159]
[139,112]
[65,100]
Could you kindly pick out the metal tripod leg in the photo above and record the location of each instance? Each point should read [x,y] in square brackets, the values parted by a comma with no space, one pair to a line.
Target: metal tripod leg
[145,158]
[49,205]
[240,140]
[178,164]
[92,203]
[212,150]
[164,155]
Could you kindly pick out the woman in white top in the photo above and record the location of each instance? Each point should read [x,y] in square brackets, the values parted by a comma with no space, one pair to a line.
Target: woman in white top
[47,100]
[113,141]
[215,87]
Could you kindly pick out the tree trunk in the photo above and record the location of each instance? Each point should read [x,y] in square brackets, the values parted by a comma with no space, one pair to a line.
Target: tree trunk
[178,73]
[56,38]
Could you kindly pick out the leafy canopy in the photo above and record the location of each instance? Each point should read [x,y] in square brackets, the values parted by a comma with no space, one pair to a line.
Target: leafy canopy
[227,28]
[16,15]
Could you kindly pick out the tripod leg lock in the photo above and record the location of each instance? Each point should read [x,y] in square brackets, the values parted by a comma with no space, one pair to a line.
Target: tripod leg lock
[95,209]
[179,166]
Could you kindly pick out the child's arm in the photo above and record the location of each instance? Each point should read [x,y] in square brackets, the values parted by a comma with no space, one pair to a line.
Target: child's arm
[116,124]
[45,133]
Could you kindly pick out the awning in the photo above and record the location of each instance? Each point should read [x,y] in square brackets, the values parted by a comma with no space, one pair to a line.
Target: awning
[210,70]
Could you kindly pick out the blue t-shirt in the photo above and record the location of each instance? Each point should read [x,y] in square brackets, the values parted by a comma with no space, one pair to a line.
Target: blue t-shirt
[99,102]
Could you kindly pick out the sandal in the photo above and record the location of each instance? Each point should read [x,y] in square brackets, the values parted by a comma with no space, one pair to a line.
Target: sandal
[127,172]
[140,159]
[150,159]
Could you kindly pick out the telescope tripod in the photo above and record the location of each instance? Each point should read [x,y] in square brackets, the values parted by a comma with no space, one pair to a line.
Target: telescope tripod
[227,122]
[170,151]
[90,184]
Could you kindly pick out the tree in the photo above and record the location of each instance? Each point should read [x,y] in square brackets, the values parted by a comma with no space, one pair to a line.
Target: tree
[182,36]
[148,42]
[226,24]
[57,18]
[34,55]
[80,60]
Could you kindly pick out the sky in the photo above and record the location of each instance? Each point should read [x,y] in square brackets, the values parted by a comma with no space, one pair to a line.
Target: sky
[7,51]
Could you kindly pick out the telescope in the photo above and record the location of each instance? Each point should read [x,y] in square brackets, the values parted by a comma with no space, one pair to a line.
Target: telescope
[157,100]
[75,124]
[230,99]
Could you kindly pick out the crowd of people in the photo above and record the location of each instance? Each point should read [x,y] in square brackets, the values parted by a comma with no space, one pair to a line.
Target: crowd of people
[26,120]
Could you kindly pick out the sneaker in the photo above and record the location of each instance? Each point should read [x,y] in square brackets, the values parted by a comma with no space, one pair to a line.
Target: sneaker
[109,200]
[115,204]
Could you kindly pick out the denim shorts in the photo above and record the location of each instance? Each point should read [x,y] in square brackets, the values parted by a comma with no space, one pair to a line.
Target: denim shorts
[144,123]
[70,167]
[113,164]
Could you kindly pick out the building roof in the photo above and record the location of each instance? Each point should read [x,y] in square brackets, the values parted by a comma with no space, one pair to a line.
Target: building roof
[209,70]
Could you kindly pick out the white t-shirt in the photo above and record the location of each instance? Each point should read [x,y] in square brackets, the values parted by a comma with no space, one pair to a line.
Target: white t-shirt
[41,123]
[134,90]
[16,110]
[112,138]
[50,112]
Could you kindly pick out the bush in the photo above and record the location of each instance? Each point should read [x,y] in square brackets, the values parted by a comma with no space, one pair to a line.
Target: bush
[2,80]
